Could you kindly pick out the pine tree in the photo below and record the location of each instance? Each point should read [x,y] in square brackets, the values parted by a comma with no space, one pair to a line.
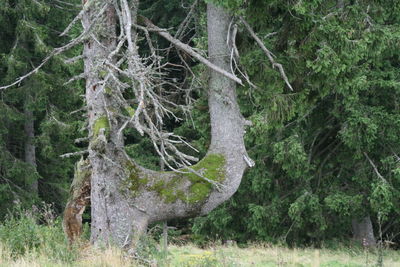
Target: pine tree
[35,115]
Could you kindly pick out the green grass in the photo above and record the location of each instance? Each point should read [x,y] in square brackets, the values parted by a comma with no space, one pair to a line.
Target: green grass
[261,255]
[28,239]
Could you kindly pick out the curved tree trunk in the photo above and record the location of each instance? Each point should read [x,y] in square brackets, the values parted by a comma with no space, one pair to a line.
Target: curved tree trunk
[125,197]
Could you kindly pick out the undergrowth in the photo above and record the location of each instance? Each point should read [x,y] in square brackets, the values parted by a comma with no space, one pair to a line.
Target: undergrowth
[36,231]
[35,238]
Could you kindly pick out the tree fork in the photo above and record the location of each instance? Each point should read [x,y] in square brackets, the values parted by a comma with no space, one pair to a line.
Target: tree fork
[125,197]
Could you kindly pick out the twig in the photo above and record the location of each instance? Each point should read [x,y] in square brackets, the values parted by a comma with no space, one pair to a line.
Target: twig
[375,168]
[185,22]
[57,51]
[267,52]
[188,49]
[81,140]
[73,59]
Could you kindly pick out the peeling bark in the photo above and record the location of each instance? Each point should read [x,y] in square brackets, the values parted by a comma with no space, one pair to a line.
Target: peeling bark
[126,197]
[78,201]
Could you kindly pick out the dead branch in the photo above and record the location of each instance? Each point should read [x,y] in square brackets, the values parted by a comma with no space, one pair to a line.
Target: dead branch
[185,23]
[73,59]
[267,52]
[79,153]
[188,49]
[375,168]
[57,51]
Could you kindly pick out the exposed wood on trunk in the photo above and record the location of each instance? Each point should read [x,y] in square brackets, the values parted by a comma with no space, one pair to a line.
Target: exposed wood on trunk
[79,200]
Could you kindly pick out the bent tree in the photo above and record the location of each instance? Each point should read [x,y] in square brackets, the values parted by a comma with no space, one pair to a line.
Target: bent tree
[125,197]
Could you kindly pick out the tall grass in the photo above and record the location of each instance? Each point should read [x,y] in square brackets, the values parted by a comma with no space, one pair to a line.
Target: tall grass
[34,233]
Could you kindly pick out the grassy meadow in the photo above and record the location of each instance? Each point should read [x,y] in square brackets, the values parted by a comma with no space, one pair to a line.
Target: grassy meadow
[30,240]
[190,255]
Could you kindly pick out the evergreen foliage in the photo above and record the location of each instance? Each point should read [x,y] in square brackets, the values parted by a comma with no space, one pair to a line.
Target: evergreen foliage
[28,32]
[319,149]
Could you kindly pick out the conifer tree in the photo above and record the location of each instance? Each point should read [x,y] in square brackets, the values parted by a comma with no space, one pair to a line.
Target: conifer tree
[34,130]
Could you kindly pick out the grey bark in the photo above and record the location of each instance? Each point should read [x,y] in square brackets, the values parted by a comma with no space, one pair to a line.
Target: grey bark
[107,205]
[363,231]
[121,214]
[227,123]
[29,146]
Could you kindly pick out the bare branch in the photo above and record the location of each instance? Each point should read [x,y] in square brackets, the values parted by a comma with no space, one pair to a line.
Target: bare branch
[79,153]
[57,51]
[267,52]
[75,78]
[81,140]
[188,49]
[217,185]
[185,22]
[375,168]
[73,59]
[249,161]
[75,20]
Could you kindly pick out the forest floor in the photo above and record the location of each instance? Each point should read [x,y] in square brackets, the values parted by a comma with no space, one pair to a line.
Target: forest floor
[190,255]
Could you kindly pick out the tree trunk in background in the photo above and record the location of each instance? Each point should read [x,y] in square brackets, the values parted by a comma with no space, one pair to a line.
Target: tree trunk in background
[30,154]
[363,231]
[125,197]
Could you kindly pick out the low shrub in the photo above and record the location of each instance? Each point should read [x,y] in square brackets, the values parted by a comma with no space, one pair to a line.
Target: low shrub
[35,231]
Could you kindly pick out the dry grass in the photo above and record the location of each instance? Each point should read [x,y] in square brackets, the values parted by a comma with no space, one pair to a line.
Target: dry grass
[265,255]
[189,255]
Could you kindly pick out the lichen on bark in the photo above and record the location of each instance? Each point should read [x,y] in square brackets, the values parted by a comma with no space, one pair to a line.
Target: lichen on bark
[81,177]
[135,180]
[186,186]
[78,200]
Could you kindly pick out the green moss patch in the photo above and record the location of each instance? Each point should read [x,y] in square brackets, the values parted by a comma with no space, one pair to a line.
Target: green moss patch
[101,122]
[134,180]
[108,90]
[175,188]
[81,176]
[211,167]
[198,192]
[130,110]
[168,190]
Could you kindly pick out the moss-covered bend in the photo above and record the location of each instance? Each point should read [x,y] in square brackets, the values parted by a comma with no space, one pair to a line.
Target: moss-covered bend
[187,186]
[211,167]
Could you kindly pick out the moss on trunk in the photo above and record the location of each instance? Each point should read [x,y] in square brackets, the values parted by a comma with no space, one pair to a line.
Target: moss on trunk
[101,123]
[171,187]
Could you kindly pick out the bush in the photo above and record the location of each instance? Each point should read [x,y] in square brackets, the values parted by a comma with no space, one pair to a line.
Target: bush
[35,231]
